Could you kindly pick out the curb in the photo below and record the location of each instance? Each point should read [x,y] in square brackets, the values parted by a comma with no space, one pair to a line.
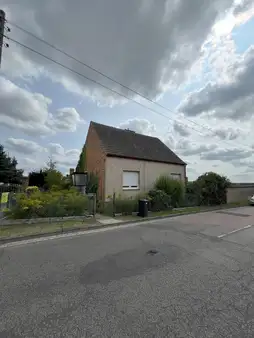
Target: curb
[96,226]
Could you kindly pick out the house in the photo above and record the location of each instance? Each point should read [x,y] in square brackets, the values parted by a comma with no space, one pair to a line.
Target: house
[128,163]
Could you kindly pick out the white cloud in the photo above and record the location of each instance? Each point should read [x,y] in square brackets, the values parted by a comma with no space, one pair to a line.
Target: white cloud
[66,119]
[29,112]
[23,146]
[32,156]
[232,100]
[141,126]
[228,133]
[181,129]
[62,157]
[226,155]
[22,109]
[154,49]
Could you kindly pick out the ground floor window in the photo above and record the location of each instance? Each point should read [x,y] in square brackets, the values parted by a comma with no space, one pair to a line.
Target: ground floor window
[130,179]
[176,177]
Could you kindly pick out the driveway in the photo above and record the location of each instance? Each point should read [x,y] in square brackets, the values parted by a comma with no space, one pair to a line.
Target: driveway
[165,278]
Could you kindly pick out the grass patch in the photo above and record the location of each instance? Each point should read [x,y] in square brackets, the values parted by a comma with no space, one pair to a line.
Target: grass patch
[184,211]
[22,230]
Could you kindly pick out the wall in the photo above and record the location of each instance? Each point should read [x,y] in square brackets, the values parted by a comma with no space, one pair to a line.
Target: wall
[239,192]
[95,158]
[149,172]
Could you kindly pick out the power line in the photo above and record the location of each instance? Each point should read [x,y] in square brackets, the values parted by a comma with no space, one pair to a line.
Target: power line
[109,77]
[94,81]
[108,88]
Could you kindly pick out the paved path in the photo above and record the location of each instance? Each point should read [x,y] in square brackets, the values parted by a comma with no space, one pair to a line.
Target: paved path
[114,284]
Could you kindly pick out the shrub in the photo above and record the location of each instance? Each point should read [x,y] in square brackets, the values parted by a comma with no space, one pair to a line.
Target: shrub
[50,204]
[125,206]
[171,187]
[118,205]
[53,179]
[190,188]
[31,190]
[159,200]
[211,189]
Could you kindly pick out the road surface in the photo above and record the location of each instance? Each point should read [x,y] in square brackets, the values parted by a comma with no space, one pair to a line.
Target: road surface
[191,276]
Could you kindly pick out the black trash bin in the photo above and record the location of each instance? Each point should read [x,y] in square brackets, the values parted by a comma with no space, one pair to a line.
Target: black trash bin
[143,208]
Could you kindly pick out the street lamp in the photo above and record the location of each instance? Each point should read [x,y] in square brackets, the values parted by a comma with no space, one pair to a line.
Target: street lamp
[80,180]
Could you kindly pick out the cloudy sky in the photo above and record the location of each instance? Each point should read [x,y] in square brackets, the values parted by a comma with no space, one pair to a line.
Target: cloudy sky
[193,60]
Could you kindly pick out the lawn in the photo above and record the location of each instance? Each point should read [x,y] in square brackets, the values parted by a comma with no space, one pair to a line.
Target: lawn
[21,230]
[185,210]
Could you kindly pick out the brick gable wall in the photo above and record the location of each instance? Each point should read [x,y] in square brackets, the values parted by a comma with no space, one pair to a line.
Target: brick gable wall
[95,159]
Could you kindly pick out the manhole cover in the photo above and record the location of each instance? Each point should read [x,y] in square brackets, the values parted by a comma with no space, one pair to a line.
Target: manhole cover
[152,252]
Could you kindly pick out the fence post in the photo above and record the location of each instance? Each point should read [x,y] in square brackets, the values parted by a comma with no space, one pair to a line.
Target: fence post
[94,204]
[114,204]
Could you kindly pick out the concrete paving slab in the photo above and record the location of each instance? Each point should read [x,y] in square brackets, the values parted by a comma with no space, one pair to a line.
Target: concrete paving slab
[107,221]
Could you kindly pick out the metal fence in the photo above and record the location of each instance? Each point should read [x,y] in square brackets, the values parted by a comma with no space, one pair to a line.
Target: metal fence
[9,187]
[7,195]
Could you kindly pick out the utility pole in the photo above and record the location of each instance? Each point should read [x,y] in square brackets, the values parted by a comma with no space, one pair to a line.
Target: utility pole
[2,23]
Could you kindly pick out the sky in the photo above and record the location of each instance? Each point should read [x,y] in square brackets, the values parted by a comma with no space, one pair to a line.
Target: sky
[182,71]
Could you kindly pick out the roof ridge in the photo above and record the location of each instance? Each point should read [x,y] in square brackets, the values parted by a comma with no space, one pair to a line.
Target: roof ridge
[125,143]
[125,130]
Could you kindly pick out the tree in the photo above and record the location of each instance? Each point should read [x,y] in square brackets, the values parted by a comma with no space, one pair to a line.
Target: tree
[8,168]
[36,179]
[211,188]
[81,167]
[51,165]
[53,177]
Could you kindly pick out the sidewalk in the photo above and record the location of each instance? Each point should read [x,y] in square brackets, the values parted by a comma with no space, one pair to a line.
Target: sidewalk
[25,230]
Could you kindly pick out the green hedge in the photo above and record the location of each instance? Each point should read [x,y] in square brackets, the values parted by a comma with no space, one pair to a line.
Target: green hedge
[173,188]
[211,189]
[49,204]
[159,200]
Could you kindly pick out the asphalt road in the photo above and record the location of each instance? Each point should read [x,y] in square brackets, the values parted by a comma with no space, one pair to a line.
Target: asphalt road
[114,284]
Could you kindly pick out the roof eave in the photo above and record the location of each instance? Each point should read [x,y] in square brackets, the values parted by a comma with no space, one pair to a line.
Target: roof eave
[144,159]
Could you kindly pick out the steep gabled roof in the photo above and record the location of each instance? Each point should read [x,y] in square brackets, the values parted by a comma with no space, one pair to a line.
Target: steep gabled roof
[128,144]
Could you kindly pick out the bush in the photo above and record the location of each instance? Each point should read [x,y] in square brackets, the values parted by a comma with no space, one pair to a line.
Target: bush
[211,189]
[49,204]
[53,179]
[159,200]
[119,205]
[125,206]
[171,187]
[31,190]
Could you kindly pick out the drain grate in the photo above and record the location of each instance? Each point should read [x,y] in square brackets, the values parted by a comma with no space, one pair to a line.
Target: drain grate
[232,213]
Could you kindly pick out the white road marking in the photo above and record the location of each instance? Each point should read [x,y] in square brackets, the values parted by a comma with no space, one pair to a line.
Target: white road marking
[234,231]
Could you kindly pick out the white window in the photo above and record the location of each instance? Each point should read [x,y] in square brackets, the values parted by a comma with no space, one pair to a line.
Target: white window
[176,177]
[131,180]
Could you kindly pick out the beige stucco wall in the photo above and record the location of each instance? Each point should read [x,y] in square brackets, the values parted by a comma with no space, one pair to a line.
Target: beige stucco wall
[239,192]
[149,171]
